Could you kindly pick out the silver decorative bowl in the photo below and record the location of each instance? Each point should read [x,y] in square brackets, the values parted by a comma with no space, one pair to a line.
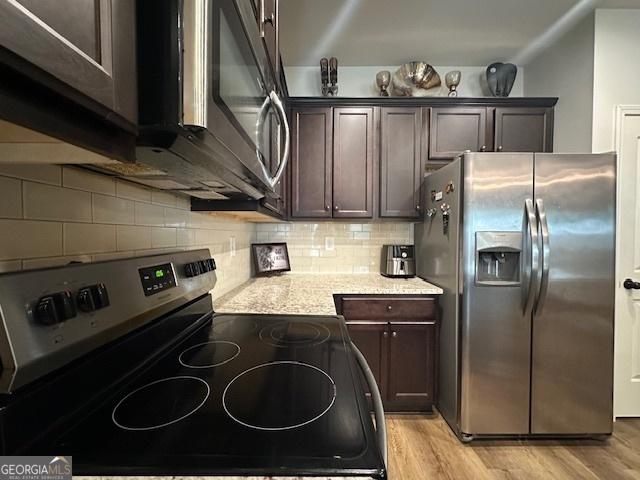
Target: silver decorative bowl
[416,79]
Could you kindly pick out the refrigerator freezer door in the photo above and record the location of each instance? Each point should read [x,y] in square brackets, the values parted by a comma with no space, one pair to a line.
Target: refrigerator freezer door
[572,344]
[496,330]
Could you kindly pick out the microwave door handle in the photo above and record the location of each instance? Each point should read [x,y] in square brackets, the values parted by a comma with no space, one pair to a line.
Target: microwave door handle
[195,32]
[532,256]
[284,158]
[378,408]
[544,280]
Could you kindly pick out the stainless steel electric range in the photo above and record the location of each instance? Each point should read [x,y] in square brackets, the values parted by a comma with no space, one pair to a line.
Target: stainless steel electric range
[124,366]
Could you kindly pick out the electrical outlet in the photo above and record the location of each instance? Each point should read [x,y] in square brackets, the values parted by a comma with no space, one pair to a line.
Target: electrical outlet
[329,243]
[232,246]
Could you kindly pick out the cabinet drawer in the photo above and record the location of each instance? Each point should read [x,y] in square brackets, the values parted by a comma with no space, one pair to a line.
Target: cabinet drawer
[386,309]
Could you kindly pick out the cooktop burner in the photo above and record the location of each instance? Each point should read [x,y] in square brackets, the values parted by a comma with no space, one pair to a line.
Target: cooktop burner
[161,403]
[293,394]
[209,354]
[295,334]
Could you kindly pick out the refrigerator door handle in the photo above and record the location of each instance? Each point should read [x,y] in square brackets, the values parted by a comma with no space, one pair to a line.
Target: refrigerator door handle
[544,279]
[532,255]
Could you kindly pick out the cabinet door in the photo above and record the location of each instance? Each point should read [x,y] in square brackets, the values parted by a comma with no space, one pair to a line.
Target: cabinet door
[454,130]
[371,338]
[88,45]
[353,163]
[523,130]
[401,163]
[411,366]
[311,163]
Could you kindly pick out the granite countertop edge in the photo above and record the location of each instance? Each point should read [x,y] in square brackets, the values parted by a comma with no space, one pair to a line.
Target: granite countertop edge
[297,293]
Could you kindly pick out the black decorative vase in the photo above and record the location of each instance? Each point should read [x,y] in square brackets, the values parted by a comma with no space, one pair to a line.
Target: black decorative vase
[500,78]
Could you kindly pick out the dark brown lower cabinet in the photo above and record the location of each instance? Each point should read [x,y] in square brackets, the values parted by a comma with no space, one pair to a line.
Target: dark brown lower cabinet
[371,338]
[399,342]
[411,355]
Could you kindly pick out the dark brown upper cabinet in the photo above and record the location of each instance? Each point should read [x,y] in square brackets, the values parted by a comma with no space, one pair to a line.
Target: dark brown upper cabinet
[454,130]
[523,130]
[353,163]
[401,161]
[75,46]
[311,163]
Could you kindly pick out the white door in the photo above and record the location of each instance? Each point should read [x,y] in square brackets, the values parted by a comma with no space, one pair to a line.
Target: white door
[627,339]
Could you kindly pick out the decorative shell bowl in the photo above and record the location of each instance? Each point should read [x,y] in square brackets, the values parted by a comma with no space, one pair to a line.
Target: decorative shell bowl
[416,79]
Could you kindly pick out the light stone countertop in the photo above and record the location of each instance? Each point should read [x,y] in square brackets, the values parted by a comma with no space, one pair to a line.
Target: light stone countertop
[312,294]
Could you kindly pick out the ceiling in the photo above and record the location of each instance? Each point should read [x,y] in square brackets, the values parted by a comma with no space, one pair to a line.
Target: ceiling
[392,32]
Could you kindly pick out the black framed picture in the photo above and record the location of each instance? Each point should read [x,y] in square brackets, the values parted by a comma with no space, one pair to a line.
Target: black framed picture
[270,257]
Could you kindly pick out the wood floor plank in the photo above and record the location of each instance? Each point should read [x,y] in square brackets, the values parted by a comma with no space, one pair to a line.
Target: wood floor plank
[424,447]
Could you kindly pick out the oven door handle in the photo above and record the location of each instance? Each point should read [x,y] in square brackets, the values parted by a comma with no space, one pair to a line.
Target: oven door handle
[273,101]
[378,408]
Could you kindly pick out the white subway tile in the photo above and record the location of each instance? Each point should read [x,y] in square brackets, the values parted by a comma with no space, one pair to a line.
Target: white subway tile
[361,235]
[147,214]
[10,266]
[101,257]
[54,261]
[129,237]
[47,202]
[163,237]
[132,191]
[29,239]
[51,174]
[174,217]
[160,197]
[112,210]
[185,237]
[80,179]
[89,238]
[183,202]
[10,198]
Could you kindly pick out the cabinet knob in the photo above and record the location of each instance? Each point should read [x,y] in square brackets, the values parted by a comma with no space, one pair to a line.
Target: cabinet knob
[417,207]
[394,334]
[385,334]
[327,207]
[500,148]
[483,148]
[336,208]
[389,308]
[270,19]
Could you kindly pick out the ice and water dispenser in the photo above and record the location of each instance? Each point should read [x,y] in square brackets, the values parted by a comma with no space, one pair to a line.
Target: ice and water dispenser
[498,261]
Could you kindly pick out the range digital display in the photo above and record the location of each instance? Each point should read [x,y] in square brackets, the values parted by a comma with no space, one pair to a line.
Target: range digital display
[157,278]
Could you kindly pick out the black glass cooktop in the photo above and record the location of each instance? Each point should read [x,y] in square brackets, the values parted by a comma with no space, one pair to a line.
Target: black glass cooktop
[247,394]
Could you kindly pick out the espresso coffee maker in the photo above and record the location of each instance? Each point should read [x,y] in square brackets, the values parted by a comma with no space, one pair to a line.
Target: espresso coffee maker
[398,261]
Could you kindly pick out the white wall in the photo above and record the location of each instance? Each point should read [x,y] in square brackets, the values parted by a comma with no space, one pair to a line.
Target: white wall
[565,70]
[304,81]
[616,70]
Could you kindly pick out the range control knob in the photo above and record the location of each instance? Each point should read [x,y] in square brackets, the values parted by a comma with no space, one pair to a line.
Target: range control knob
[55,308]
[192,269]
[212,263]
[93,297]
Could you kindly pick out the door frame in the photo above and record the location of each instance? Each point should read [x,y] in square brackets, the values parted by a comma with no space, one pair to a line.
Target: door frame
[620,112]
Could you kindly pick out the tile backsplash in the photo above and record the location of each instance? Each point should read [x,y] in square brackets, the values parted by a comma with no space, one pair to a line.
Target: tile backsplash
[335,247]
[51,215]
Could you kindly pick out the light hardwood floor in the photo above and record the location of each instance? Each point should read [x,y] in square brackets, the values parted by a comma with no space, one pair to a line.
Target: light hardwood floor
[423,447]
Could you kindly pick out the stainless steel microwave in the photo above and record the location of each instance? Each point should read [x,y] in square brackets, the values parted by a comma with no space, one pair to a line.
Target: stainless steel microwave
[210,110]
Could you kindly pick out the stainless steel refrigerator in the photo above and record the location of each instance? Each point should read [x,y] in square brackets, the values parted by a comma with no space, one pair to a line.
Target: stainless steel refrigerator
[523,246]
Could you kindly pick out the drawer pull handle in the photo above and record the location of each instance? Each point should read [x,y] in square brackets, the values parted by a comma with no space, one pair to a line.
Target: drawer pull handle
[394,334]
